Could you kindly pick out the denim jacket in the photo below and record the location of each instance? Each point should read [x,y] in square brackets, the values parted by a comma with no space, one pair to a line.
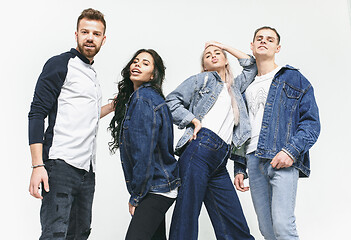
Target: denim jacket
[290,121]
[195,97]
[146,145]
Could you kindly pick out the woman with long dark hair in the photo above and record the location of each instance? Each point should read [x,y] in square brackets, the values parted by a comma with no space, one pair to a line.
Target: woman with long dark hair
[211,108]
[142,129]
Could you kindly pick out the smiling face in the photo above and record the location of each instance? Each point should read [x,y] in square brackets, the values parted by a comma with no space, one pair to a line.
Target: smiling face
[141,69]
[265,44]
[214,59]
[90,37]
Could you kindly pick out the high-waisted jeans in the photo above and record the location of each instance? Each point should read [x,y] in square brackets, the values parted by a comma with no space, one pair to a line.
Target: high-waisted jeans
[205,179]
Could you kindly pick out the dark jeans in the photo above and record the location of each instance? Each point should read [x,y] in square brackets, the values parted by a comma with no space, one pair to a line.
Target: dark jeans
[148,221]
[205,179]
[66,208]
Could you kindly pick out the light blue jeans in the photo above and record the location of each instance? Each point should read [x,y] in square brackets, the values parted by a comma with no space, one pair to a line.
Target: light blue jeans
[273,193]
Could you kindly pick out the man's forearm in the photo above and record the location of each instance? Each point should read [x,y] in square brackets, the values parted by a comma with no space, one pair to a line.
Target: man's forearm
[36,151]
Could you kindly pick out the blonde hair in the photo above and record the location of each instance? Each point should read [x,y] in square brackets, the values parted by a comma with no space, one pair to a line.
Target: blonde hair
[229,77]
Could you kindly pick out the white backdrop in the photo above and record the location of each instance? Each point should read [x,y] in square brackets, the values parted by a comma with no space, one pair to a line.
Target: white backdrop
[315,38]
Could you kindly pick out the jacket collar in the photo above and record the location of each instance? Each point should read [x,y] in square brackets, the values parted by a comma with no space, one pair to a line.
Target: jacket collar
[286,67]
[289,67]
[146,84]
[216,75]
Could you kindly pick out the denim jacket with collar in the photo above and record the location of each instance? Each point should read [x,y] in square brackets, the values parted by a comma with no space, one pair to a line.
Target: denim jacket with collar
[195,97]
[146,145]
[290,121]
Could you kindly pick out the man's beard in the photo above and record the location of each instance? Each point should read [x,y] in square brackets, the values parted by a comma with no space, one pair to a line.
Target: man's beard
[88,53]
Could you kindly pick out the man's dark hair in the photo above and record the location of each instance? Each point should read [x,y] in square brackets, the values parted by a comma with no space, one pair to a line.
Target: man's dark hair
[267,27]
[92,14]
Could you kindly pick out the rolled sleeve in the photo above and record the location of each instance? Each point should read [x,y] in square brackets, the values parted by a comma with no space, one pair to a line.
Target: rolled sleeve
[186,121]
[247,61]
[248,74]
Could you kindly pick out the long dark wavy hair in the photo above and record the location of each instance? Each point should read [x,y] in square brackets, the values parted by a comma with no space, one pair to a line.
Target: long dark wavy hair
[125,89]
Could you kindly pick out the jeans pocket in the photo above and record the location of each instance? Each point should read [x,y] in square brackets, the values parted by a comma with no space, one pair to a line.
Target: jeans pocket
[49,164]
[210,144]
[291,96]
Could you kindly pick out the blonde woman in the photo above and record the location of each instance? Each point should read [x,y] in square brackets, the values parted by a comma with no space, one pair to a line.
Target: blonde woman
[210,106]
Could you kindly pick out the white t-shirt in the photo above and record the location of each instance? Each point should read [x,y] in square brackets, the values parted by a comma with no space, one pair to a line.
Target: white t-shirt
[171,194]
[256,96]
[220,118]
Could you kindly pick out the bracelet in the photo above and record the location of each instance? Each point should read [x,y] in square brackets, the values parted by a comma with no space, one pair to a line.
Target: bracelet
[39,165]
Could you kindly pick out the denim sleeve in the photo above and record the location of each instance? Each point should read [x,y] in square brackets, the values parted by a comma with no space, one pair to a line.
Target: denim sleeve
[46,92]
[248,74]
[239,165]
[143,133]
[179,100]
[308,127]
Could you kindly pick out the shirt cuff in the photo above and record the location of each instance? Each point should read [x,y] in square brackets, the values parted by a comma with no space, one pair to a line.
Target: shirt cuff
[246,61]
[289,154]
[134,201]
[188,118]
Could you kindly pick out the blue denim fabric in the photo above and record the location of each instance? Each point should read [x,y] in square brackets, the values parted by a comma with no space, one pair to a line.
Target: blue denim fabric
[206,179]
[195,97]
[273,194]
[146,145]
[290,121]
[66,208]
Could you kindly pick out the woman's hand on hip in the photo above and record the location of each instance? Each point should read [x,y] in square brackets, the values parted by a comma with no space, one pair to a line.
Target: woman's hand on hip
[197,127]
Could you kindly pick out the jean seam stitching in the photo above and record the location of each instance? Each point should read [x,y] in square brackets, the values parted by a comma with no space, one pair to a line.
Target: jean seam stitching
[218,213]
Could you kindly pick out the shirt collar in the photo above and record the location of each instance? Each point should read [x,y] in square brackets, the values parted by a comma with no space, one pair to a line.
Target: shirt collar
[81,56]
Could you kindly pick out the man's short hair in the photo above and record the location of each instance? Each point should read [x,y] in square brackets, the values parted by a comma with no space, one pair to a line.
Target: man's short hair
[92,14]
[267,27]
